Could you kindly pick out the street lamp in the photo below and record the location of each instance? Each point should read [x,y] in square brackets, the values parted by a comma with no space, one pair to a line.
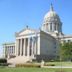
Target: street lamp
[58,39]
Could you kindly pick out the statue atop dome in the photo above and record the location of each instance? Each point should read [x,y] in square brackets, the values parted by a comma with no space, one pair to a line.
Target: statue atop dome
[51,7]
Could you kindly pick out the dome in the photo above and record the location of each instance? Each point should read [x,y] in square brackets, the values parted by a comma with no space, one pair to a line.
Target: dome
[51,15]
[51,22]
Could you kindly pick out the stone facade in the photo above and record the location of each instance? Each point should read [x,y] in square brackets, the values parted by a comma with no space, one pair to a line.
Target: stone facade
[8,50]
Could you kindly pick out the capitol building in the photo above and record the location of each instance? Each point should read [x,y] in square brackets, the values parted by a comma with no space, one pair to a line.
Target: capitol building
[42,44]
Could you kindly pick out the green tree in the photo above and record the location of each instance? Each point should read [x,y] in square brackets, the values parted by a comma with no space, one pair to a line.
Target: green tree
[66,51]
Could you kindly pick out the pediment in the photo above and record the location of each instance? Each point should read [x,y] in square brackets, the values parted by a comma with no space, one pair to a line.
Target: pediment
[26,32]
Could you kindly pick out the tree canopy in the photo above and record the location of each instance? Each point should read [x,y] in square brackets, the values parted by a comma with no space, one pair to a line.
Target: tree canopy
[66,51]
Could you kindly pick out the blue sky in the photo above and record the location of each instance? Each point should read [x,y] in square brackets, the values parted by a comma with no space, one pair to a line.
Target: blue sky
[16,14]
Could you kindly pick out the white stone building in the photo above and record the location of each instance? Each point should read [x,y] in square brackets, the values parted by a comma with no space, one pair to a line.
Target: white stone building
[39,44]
[9,50]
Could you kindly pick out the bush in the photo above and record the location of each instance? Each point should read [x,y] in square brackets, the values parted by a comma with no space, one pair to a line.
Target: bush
[49,64]
[28,65]
[51,60]
[3,61]
[4,64]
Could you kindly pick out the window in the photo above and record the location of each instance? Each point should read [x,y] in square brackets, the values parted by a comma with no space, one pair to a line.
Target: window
[54,51]
[64,41]
[50,26]
[55,47]
[69,41]
[55,27]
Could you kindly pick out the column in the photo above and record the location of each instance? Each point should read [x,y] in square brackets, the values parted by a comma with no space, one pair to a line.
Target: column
[49,27]
[35,48]
[4,54]
[20,47]
[46,27]
[16,50]
[32,48]
[56,27]
[38,48]
[53,27]
[28,47]
[24,46]
[13,51]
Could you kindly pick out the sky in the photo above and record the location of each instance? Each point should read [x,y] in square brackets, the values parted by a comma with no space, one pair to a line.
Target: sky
[16,14]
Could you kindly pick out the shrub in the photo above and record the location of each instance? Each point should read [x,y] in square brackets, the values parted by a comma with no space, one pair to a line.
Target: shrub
[49,64]
[4,64]
[28,65]
[3,61]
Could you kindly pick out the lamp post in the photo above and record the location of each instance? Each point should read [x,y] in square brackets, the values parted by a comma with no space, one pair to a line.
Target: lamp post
[60,54]
[59,45]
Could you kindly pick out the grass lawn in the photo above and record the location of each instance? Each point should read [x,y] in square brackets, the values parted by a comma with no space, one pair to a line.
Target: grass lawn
[59,63]
[22,69]
[32,70]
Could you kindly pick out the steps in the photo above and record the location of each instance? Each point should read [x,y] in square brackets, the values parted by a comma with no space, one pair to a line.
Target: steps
[19,59]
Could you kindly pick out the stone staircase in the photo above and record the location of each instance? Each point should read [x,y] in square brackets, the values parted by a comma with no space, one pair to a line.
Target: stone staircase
[19,59]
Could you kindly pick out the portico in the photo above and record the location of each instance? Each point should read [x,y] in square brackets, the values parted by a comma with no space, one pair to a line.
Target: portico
[27,45]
